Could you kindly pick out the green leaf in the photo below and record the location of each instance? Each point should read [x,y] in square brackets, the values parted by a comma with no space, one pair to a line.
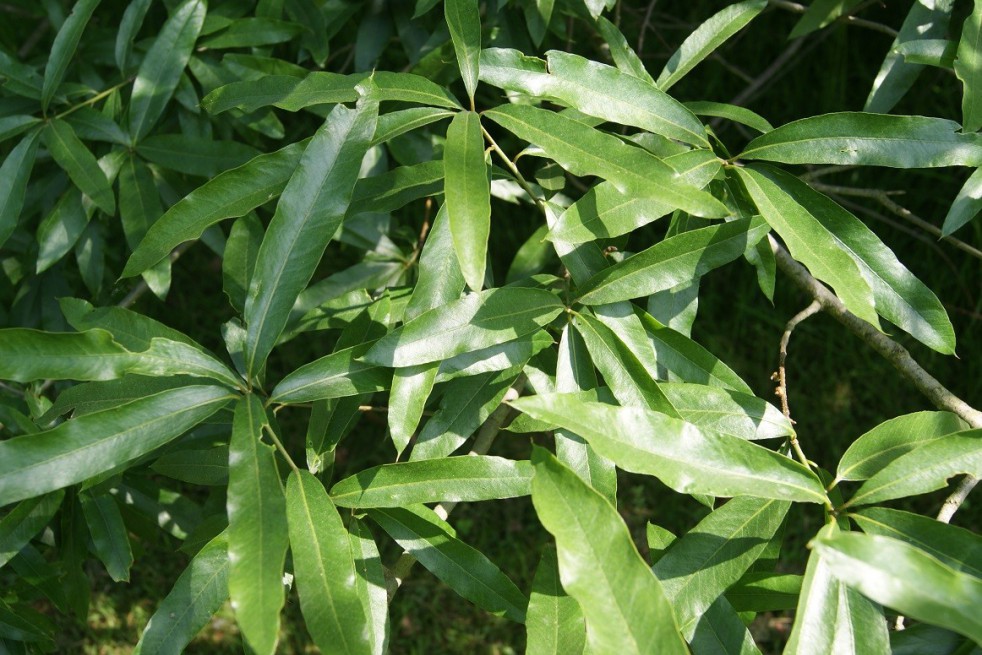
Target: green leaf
[239,258]
[898,295]
[14,174]
[340,374]
[966,205]
[22,523]
[896,76]
[931,52]
[476,321]
[583,150]
[715,554]
[819,14]
[80,164]
[605,92]
[725,411]
[252,32]
[678,453]
[721,627]
[810,242]
[874,450]
[89,445]
[465,570]
[706,38]
[257,529]
[832,618]
[307,216]
[199,466]
[400,122]
[451,479]
[411,387]
[196,596]
[624,604]
[27,355]
[858,138]
[468,196]
[231,194]
[394,189]
[129,26]
[673,261]
[554,622]
[371,583]
[924,469]
[464,20]
[733,113]
[439,280]
[110,538]
[162,66]
[194,156]
[957,547]
[324,568]
[905,578]
[620,51]
[604,212]
[60,229]
[91,397]
[63,49]
[765,592]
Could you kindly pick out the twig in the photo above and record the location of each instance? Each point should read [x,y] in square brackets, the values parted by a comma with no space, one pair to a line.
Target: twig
[280,447]
[848,19]
[957,497]
[645,23]
[33,39]
[513,168]
[782,389]
[17,392]
[399,571]
[761,80]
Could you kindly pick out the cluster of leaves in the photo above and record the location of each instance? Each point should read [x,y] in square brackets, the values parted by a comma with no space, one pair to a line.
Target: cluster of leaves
[249,111]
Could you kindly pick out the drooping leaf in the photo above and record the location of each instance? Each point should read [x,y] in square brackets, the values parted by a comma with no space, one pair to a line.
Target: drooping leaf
[583,150]
[924,469]
[464,20]
[468,195]
[957,547]
[239,258]
[195,597]
[810,242]
[371,582]
[673,261]
[89,445]
[338,375]
[307,216]
[63,49]
[324,568]
[411,387]
[162,66]
[678,453]
[833,618]
[257,529]
[554,622]
[80,164]
[440,279]
[875,449]
[699,566]
[14,174]
[232,194]
[467,571]
[859,138]
[476,321]
[110,538]
[61,229]
[451,479]
[906,579]
[624,604]
[129,26]
[966,205]
[23,522]
[706,38]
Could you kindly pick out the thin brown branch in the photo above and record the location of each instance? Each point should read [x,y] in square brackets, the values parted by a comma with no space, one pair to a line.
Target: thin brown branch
[848,19]
[782,378]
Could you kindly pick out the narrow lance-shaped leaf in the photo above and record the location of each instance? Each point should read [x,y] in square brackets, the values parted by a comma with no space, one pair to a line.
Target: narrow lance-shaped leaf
[110,538]
[60,229]
[673,261]
[338,375]
[676,452]
[624,604]
[833,618]
[63,48]
[966,205]
[468,572]
[730,112]
[450,479]
[14,174]
[468,196]
[706,38]
[308,214]
[857,138]
[583,150]
[371,583]
[23,522]
[968,68]
[324,568]
[906,579]
[80,164]
[162,66]
[464,20]
[477,321]
[92,444]
[231,194]
[197,595]
[811,243]
[620,51]
[554,622]
[257,529]
[129,26]
[715,554]
[716,409]
[924,469]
